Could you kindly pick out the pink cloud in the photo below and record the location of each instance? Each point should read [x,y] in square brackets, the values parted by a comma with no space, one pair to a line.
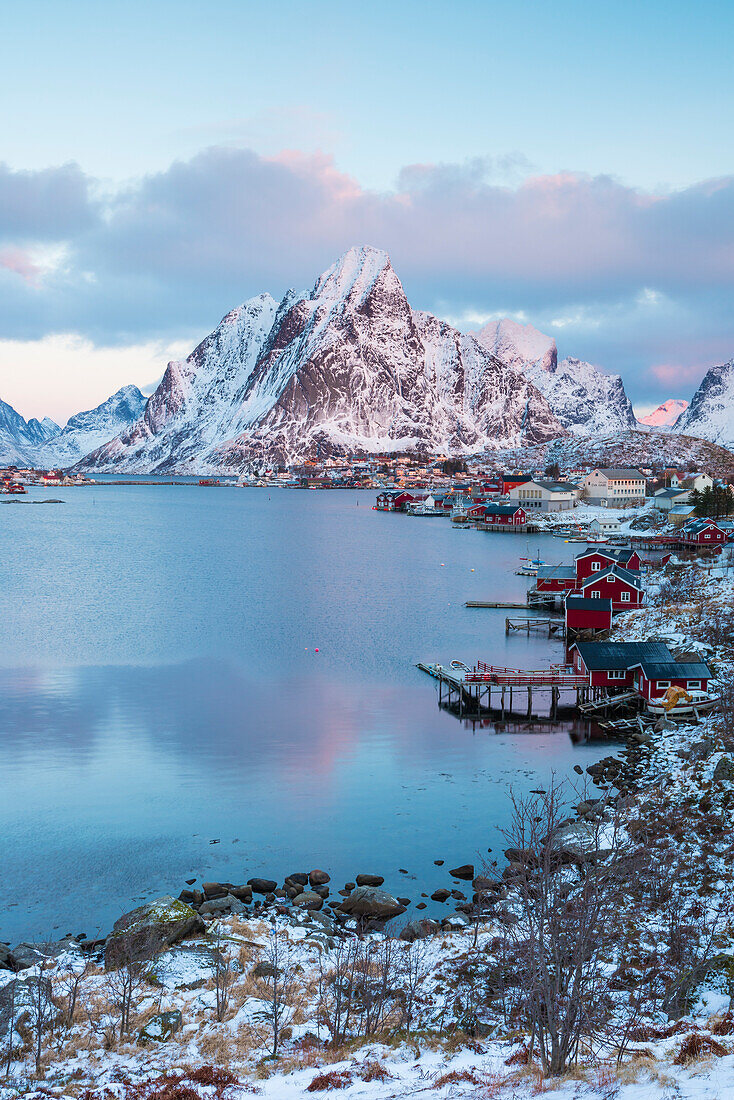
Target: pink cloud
[20,263]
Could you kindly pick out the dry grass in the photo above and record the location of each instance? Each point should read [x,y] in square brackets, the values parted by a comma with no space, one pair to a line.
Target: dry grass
[696,1047]
[334,1079]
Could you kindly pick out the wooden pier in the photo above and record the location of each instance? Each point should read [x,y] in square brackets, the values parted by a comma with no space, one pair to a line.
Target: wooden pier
[551,626]
[468,691]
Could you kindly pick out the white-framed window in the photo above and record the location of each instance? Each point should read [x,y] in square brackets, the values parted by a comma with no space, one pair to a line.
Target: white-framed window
[663,685]
[624,597]
[595,566]
[693,683]
[595,595]
[617,674]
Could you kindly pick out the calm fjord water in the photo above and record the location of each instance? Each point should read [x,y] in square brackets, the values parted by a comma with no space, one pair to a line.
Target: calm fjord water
[165,714]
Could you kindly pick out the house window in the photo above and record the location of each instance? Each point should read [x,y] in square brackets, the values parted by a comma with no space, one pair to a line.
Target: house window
[616,674]
[595,595]
[663,685]
[625,597]
[693,683]
[595,566]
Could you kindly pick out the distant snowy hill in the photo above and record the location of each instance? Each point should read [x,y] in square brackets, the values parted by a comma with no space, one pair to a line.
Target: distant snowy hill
[665,415]
[710,414]
[44,444]
[586,400]
[88,430]
[19,438]
[345,366]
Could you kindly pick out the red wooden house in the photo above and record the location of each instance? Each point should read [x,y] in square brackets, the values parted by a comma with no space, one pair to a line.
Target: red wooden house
[584,613]
[556,578]
[622,586]
[653,677]
[509,514]
[611,664]
[595,559]
[702,532]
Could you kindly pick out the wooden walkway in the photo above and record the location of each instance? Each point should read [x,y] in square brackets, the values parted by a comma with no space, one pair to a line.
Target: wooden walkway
[468,691]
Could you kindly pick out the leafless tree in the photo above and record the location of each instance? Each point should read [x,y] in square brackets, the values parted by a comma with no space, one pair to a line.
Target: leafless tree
[566,930]
[69,986]
[225,973]
[42,1010]
[13,986]
[128,980]
[282,982]
[413,969]
[337,975]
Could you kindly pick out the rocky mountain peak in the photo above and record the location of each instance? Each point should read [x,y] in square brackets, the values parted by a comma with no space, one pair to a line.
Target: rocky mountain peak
[710,414]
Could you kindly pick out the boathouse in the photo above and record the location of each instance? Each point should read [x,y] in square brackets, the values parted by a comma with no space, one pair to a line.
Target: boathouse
[610,664]
[508,514]
[652,677]
[622,586]
[556,578]
[586,614]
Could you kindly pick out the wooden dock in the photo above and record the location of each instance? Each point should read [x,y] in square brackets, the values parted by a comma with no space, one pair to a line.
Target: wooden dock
[495,603]
[551,626]
[468,691]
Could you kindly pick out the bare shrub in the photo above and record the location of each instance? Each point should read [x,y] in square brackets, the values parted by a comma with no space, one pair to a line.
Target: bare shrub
[282,987]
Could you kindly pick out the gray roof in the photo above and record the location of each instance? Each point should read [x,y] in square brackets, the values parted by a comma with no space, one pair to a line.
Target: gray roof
[674,670]
[557,486]
[585,603]
[621,655]
[556,572]
[617,473]
[503,509]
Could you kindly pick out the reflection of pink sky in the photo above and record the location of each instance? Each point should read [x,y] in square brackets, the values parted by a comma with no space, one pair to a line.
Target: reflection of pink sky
[306,734]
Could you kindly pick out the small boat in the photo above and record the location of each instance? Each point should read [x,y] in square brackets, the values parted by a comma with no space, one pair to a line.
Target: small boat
[530,567]
[677,703]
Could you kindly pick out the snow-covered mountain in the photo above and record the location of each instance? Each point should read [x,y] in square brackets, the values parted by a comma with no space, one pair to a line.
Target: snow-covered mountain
[345,366]
[665,415]
[710,414]
[88,430]
[585,399]
[19,438]
[44,444]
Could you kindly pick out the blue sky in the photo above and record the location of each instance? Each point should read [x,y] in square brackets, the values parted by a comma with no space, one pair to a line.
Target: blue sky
[582,135]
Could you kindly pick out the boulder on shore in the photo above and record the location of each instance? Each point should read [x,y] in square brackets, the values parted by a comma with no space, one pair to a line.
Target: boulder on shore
[262,885]
[419,930]
[371,902]
[370,880]
[143,932]
[466,871]
[308,900]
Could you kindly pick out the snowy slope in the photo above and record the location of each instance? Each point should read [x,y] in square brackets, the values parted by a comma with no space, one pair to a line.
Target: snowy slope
[710,414]
[348,365]
[90,429]
[665,415]
[19,438]
[586,400]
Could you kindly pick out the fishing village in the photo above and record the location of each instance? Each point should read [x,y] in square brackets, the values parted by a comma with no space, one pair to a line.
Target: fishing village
[620,686]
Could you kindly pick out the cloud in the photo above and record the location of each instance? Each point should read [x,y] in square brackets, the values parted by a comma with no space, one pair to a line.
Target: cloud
[47,205]
[627,278]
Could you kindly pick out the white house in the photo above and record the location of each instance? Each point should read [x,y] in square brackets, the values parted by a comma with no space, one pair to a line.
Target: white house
[605,525]
[545,496]
[614,488]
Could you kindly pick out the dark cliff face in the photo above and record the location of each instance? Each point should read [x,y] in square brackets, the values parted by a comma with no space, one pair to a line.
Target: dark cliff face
[347,365]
